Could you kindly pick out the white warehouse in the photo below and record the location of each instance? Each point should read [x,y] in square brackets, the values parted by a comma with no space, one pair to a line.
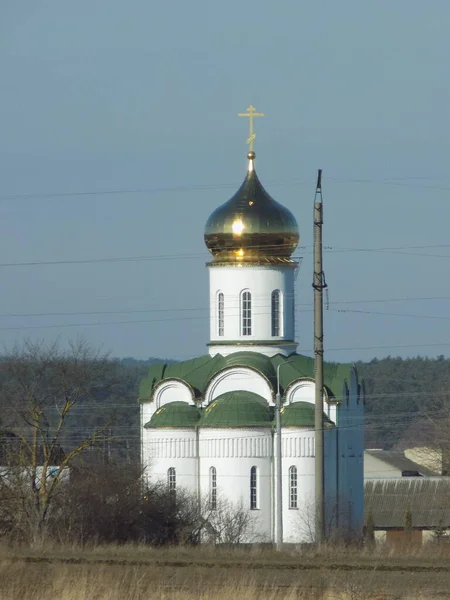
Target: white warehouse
[208,424]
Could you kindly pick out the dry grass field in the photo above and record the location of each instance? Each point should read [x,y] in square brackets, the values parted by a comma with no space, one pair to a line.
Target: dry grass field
[206,573]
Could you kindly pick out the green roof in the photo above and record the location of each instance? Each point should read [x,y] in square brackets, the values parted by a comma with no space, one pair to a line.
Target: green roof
[175,414]
[300,414]
[237,409]
[198,372]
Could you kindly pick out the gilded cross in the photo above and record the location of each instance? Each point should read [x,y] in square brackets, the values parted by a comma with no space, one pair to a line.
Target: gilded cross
[251,114]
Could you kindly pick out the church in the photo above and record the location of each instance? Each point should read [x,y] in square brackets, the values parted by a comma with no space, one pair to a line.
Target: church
[208,424]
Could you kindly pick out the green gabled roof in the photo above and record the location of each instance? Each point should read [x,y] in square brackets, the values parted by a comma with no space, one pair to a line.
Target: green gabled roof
[300,414]
[175,414]
[198,372]
[195,372]
[237,409]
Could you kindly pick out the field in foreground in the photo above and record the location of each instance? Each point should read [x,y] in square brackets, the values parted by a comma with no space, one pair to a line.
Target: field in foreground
[135,573]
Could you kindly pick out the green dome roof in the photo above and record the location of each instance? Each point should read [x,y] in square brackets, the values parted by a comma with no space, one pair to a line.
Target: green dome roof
[237,409]
[175,414]
[300,414]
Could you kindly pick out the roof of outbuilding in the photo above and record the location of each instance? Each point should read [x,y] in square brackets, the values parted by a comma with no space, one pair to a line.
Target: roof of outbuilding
[237,409]
[388,501]
[175,414]
[198,372]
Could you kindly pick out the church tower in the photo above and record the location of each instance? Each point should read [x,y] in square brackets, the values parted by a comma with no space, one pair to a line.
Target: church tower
[251,275]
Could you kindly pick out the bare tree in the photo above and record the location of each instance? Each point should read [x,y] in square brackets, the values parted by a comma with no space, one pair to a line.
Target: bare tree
[227,522]
[39,388]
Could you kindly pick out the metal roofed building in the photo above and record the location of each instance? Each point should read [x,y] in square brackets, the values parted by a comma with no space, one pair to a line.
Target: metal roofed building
[207,424]
[411,509]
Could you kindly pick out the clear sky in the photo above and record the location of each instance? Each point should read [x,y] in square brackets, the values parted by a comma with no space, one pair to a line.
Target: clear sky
[141,98]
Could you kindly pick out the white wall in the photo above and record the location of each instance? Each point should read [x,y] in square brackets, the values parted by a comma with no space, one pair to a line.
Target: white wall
[165,448]
[261,281]
[233,452]
[298,450]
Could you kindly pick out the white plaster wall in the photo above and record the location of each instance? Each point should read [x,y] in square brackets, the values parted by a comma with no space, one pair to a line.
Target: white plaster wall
[233,452]
[261,281]
[298,449]
[165,448]
[272,350]
[238,378]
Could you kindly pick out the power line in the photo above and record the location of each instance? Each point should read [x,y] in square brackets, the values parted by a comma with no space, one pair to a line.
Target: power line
[205,255]
[396,181]
[388,314]
[206,308]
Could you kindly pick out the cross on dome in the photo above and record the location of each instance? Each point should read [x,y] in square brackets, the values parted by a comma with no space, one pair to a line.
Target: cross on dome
[251,114]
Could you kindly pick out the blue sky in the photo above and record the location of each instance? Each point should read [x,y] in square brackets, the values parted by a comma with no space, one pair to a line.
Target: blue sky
[141,98]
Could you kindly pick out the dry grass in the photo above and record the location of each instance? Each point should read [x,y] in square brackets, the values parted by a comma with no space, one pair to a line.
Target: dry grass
[206,573]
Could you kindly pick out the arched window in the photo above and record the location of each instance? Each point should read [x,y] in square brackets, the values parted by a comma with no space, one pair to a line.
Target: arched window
[293,495]
[253,488]
[276,313]
[246,313]
[172,480]
[213,488]
[220,314]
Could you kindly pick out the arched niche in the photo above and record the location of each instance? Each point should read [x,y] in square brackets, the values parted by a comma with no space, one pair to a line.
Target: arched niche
[238,378]
[301,390]
[172,390]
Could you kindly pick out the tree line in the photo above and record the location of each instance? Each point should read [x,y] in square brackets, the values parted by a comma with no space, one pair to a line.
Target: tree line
[69,445]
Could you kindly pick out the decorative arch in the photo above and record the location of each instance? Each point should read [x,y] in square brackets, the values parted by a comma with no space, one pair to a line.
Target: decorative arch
[238,378]
[170,390]
[301,390]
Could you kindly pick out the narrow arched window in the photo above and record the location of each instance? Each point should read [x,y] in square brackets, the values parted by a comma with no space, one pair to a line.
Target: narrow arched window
[253,488]
[293,489]
[246,313]
[220,314]
[213,488]
[172,481]
[276,313]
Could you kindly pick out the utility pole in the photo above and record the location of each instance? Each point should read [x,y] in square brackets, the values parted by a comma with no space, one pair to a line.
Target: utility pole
[318,285]
[278,469]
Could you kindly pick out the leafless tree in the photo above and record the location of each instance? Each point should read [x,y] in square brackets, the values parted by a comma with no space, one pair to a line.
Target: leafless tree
[227,522]
[39,388]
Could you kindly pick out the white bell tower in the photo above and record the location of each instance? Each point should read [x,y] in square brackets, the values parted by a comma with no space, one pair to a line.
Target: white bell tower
[252,275]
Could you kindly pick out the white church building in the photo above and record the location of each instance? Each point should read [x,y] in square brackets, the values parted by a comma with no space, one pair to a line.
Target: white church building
[208,424]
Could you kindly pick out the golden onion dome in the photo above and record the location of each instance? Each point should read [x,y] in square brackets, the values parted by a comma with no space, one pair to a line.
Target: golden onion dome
[251,226]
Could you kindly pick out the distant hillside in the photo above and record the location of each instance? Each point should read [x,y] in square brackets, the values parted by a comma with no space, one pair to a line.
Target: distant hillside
[402,395]
[129,361]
